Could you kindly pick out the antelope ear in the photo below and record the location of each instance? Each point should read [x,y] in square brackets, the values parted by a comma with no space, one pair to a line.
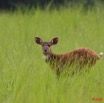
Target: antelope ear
[54,41]
[38,40]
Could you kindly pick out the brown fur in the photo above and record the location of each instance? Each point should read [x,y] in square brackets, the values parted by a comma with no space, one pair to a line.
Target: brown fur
[80,57]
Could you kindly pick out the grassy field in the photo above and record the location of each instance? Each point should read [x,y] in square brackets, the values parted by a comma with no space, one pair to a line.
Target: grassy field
[26,78]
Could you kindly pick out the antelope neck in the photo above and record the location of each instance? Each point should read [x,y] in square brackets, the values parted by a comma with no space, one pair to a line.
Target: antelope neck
[48,56]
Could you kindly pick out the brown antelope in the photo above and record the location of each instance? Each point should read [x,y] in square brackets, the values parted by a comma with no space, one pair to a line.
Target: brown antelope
[81,56]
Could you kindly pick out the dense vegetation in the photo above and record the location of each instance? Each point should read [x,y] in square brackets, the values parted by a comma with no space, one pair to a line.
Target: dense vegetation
[26,78]
[13,4]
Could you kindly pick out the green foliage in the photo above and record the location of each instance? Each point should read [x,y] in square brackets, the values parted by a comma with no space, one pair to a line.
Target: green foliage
[26,78]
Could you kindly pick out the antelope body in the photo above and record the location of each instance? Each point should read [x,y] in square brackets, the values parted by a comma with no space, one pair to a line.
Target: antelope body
[80,57]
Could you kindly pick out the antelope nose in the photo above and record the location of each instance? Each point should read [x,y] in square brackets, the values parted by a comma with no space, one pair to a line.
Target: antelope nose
[45,50]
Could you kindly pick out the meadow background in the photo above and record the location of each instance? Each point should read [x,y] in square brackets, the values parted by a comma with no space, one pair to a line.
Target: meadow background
[26,78]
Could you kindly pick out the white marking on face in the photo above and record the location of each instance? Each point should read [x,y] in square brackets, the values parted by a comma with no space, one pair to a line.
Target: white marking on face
[45,57]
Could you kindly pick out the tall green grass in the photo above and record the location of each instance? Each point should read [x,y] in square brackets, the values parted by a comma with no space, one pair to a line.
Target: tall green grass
[26,78]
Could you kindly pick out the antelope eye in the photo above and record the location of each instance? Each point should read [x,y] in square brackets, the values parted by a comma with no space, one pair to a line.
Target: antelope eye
[42,44]
[49,45]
